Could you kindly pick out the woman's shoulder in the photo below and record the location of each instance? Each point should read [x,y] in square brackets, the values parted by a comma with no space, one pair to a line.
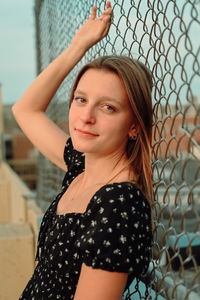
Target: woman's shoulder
[121,196]
[124,192]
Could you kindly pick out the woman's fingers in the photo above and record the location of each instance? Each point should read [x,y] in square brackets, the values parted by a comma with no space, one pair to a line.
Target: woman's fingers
[108,9]
[107,12]
[93,13]
[105,18]
[108,4]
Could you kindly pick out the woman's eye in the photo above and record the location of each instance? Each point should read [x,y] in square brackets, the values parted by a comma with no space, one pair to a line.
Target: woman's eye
[79,99]
[109,107]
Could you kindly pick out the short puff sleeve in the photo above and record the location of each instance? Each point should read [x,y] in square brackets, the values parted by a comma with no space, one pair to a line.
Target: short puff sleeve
[74,160]
[72,157]
[115,231]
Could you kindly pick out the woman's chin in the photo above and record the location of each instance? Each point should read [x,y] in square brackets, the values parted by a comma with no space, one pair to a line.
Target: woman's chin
[82,146]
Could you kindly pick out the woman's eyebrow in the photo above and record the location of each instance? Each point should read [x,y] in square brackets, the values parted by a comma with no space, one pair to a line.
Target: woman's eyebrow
[108,98]
[80,92]
[102,98]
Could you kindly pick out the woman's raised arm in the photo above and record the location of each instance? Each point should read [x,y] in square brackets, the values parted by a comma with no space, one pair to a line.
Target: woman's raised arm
[30,109]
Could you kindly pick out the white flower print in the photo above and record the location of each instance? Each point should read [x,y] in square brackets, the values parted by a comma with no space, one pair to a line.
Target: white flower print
[89,212]
[104,220]
[109,189]
[124,215]
[98,251]
[76,255]
[72,233]
[132,209]
[121,198]
[117,251]
[108,260]
[93,223]
[122,239]
[90,241]
[101,210]
[136,225]
[99,200]
[130,250]
[106,243]
[78,244]
[111,201]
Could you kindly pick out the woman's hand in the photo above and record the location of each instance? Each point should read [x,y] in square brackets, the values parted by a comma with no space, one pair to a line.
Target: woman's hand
[93,30]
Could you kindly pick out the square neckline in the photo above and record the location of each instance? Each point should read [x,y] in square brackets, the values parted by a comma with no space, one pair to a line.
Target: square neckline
[90,201]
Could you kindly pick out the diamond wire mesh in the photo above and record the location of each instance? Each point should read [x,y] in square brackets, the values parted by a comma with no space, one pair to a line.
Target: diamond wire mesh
[165,36]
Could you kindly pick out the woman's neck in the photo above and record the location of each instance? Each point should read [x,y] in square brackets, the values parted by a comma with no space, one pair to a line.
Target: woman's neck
[105,169]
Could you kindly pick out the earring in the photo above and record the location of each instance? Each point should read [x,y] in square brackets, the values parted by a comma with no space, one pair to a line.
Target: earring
[133,138]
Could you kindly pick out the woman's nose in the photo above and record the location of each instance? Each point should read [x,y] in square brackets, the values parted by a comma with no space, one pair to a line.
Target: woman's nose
[88,115]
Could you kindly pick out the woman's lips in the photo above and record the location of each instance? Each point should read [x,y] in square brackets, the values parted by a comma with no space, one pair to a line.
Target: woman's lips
[86,132]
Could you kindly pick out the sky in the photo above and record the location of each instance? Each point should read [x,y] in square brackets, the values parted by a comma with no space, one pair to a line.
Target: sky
[17,48]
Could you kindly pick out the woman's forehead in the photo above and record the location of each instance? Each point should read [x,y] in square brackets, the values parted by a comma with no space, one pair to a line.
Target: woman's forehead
[102,79]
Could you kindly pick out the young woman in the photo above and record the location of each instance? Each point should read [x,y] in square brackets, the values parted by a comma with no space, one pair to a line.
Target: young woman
[95,238]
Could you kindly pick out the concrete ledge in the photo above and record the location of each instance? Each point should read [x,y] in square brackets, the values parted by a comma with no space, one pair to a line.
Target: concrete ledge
[16,259]
[17,188]
[34,213]
[5,211]
[34,216]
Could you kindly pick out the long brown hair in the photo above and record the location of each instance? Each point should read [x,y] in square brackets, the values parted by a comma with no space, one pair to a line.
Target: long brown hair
[137,81]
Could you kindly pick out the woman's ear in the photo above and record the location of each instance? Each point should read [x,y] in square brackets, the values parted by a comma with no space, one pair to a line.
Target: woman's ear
[134,130]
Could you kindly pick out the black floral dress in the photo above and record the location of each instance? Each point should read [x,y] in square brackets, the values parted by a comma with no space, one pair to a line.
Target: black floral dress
[113,234]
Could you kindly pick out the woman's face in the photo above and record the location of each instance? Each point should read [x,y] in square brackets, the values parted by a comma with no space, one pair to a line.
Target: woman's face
[100,115]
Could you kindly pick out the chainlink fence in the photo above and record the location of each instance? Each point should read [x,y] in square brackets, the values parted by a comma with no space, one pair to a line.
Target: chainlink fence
[165,36]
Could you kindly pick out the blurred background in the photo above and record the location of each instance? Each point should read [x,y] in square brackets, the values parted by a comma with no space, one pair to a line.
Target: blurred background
[165,36]
[17,71]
